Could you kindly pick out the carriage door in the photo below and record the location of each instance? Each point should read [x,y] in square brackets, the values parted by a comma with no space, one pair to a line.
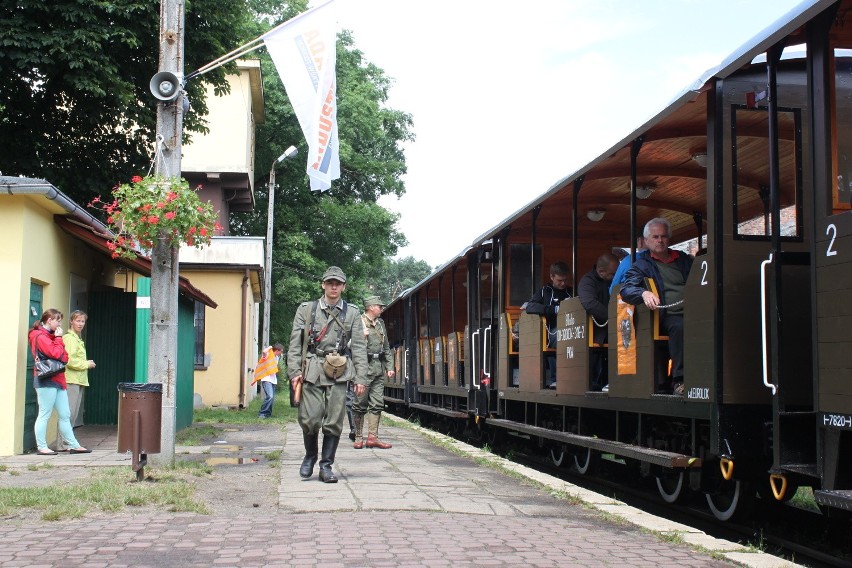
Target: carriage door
[769,212]
[483,325]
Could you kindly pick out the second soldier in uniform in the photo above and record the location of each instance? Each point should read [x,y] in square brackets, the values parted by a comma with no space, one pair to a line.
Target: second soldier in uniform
[380,357]
[327,349]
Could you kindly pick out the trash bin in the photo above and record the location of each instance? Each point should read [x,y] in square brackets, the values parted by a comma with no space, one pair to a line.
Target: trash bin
[139,417]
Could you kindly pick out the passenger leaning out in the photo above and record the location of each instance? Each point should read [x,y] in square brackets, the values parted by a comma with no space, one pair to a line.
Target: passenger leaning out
[669,268]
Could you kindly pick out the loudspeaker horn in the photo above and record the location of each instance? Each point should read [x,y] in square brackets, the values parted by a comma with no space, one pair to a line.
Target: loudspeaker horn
[165,86]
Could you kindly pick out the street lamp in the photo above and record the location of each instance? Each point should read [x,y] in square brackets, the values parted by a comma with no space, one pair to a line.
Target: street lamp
[267,292]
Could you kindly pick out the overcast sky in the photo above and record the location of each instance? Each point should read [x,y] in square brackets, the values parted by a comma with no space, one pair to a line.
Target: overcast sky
[510,97]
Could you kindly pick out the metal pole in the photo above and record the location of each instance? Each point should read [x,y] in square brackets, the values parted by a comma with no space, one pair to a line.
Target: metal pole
[267,276]
[267,284]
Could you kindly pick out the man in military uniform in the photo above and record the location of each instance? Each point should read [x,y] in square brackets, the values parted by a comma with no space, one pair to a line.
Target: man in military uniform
[372,402]
[327,349]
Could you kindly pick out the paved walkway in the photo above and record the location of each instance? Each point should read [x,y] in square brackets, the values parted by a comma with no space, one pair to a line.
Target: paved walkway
[418,504]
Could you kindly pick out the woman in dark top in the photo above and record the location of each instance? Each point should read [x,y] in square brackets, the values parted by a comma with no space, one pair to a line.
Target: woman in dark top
[46,338]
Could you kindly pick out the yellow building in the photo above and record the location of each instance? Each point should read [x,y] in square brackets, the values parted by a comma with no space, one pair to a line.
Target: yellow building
[231,268]
[55,255]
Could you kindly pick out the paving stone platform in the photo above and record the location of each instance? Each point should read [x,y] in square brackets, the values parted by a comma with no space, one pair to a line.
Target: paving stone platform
[428,501]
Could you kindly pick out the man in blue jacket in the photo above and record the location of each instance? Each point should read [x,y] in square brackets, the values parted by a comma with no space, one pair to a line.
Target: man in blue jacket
[669,269]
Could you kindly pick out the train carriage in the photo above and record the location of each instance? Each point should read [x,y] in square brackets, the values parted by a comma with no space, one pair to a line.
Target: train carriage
[752,166]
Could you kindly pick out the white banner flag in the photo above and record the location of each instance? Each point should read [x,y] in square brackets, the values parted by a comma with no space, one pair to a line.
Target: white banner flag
[304,52]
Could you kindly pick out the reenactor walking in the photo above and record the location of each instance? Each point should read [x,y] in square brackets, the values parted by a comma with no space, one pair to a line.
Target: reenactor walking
[380,358]
[327,349]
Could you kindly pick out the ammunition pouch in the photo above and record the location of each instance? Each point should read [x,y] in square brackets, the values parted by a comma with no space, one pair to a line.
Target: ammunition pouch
[334,365]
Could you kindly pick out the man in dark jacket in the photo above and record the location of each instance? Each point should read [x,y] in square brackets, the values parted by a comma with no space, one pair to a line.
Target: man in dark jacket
[669,269]
[546,302]
[593,292]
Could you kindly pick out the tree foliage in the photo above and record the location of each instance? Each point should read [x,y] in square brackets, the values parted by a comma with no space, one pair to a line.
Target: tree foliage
[397,276]
[74,102]
[75,109]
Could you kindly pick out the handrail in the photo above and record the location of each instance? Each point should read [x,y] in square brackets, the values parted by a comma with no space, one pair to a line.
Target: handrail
[473,378]
[405,362]
[763,324]
[486,337]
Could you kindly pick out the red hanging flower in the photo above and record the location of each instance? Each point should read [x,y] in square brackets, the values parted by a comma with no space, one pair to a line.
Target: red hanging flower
[183,219]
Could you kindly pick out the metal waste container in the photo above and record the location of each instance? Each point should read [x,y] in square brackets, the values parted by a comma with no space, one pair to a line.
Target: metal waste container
[139,417]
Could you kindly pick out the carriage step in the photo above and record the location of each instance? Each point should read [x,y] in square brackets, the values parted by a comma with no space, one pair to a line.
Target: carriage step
[836,498]
[441,411]
[806,469]
[641,453]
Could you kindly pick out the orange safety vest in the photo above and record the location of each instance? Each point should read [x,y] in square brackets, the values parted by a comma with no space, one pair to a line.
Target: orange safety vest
[266,366]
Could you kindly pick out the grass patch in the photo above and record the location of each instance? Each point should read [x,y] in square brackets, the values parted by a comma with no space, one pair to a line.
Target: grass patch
[274,455]
[282,412]
[110,490]
[195,434]
[804,499]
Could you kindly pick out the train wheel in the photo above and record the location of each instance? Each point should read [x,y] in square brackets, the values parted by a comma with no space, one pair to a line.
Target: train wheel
[586,461]
[671,486]
[729,499]
[557,456]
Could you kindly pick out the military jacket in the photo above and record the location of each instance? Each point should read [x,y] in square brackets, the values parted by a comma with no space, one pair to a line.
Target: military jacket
[378,347]
[325,336]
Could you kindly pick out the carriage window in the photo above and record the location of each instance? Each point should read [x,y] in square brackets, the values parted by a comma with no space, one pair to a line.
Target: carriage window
[430,318]
[750,172]
[842,190]
[522,284]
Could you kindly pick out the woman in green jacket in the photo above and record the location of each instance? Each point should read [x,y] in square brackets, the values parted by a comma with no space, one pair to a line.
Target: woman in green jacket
[76,370]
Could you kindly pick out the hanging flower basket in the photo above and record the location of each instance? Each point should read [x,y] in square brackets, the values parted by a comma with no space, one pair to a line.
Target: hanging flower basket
[149,207]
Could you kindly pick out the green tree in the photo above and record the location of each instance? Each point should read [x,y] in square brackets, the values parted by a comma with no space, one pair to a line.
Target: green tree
[74,102]
[397,276]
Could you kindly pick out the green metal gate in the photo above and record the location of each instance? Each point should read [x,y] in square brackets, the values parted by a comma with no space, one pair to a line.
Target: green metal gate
[185,364]
[110,342]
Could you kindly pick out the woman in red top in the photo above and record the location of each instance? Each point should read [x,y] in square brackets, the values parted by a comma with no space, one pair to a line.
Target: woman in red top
[46,337]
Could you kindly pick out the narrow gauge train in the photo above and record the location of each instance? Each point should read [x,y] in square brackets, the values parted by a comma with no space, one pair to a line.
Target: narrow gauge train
[754,164]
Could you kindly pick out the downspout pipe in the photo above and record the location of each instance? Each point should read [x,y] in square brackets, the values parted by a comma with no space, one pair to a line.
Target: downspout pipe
[243,326]
[31,186]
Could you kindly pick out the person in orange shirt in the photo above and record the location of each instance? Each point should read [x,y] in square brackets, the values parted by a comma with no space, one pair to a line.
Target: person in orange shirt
[266,372]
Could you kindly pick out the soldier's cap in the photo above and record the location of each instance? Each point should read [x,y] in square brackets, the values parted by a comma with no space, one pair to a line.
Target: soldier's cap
[334,273]
[373,301]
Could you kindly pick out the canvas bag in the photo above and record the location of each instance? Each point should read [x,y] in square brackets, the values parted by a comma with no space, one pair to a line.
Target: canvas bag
[334,365]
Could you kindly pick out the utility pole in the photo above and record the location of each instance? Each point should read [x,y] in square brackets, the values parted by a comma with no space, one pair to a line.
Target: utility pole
[163,330]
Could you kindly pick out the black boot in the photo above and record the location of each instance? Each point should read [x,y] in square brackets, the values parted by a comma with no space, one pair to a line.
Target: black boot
[329,448]
[311,443]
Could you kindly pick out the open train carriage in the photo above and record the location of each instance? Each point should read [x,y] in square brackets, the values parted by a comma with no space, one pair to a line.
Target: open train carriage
[750,166]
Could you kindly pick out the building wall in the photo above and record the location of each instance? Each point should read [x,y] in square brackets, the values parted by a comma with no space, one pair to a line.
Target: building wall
[229,146]
[219,383]
[36,250]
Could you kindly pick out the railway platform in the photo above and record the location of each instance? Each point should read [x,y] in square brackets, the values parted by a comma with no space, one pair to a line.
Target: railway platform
[429,501]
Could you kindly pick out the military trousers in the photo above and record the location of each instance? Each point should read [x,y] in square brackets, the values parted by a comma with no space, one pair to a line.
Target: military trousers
[373,399]
[322,408]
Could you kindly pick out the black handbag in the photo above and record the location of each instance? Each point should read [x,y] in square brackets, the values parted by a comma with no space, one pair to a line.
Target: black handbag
[46,367]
